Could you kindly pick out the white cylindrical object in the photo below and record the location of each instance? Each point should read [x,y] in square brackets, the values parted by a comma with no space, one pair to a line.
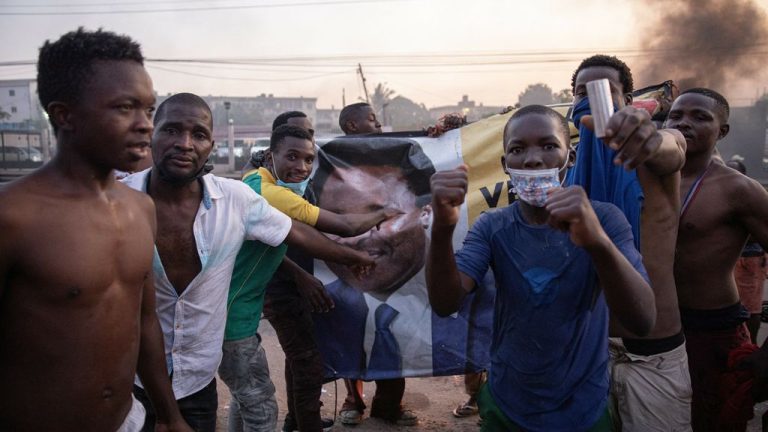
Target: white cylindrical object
[600,104]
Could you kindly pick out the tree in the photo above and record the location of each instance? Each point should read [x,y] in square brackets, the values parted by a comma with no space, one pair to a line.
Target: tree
[406,114]
[536,94]
[380,98]
[564,96]
[4,115]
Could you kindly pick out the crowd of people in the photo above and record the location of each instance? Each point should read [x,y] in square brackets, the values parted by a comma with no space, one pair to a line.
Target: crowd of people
[616,303]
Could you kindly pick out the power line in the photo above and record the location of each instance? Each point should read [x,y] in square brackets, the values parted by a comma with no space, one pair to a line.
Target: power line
[450,55]
[208,8]
[138,3]
[244,79]
[422,59]
[417,62]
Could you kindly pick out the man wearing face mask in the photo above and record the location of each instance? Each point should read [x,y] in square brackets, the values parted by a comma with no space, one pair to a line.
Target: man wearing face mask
[282,182]
[637,168]
[559,263]
[533,186]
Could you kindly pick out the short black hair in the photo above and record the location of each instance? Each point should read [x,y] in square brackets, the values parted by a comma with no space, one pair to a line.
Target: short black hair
[65,66]
[613,62]
[542,110]
[351,113]
[284,117]
[182,99]
[286,130]
[719,99]
[402,153]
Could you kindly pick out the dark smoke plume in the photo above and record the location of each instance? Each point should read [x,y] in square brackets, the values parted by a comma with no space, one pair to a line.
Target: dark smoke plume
[703,43]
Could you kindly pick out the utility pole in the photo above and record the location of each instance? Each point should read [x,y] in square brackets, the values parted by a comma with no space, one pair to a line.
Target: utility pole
[343,97]
[362,78]
[230,139]
[384,113]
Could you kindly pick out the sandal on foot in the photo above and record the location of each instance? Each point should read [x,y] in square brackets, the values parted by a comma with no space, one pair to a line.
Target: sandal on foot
[350,417]
[465,410]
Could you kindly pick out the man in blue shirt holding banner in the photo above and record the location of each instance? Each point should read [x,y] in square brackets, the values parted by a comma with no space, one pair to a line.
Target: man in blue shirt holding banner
[560,261]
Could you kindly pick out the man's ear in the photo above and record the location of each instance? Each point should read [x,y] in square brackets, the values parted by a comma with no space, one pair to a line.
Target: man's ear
[724,129]
[571,157]
[503,164]
[61,115]
[351,126]
[426,216]
[627,99]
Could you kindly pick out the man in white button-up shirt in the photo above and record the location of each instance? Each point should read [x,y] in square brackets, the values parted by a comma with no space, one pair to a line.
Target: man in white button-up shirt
[202,222]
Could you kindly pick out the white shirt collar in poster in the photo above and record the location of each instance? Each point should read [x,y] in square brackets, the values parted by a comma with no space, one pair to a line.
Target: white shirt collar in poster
[412,326]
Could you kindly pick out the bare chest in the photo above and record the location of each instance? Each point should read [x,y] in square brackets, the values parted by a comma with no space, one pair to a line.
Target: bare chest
[708,232]
[177,246]
[83,249]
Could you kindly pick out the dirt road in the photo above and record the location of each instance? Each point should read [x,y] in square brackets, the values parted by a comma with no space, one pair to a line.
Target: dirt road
[432,399]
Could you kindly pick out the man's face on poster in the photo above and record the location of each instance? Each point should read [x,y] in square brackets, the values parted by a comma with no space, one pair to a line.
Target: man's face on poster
[398,244]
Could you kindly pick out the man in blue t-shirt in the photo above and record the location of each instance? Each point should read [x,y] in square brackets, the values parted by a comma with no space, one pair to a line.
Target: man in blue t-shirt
[560,261]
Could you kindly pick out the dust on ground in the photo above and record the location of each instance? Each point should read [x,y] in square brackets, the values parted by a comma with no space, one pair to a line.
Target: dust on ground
[432,399]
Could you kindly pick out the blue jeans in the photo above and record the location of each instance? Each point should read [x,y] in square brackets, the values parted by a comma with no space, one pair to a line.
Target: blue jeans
[198,409]
[245,371]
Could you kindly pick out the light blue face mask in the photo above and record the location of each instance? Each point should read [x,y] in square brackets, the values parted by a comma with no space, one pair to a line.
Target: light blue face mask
[297,188]
[532,186]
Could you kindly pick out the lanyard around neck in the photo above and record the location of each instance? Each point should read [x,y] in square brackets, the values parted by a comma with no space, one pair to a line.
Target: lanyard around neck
[695,187]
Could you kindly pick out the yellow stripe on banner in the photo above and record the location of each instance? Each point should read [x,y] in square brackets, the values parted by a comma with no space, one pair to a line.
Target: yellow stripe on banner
[481,150]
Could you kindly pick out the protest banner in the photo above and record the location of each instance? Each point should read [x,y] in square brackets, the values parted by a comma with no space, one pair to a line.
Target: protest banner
[361,339]
[357,174]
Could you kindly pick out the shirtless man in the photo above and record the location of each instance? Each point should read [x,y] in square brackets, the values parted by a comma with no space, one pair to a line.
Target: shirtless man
[77,304]
[650,386]
[720,209]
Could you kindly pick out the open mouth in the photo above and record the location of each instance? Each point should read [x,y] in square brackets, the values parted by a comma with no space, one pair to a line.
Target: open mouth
[296,179]
[375,252]
[373,247]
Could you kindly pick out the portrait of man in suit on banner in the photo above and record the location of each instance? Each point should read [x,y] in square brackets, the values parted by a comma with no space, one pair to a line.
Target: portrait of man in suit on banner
[382,325]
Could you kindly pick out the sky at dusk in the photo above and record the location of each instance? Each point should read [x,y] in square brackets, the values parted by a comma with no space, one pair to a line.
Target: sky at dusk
[431,51]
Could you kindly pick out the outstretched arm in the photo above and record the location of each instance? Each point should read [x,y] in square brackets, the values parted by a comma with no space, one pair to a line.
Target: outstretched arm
[314,243]
[636,140]
[446,286]
[350,225]
[628,295]
[669,158]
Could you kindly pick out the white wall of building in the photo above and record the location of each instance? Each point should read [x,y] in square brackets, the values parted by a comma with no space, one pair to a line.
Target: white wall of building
[19,99]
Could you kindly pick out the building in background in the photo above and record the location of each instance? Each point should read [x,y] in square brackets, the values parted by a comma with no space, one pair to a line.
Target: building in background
[25,135]
[469,108]
[19,106]
[327,123]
